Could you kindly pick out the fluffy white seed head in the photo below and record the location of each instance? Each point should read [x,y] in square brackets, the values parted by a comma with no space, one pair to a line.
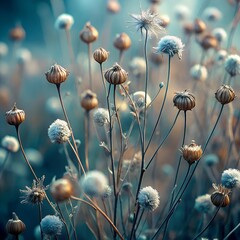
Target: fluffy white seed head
[10,144]
[199,72]
[138,66]
[231,178]
[23,55]
[203,204]
[51,225]
[232,65]
[220,34]
[212,14]
[101,117]
[181,12]
[221,56]
[64,21]
[139,100]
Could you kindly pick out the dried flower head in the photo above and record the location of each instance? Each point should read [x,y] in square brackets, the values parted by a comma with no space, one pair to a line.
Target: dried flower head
[64,21]
[116,75]
[211,159]
[138,66]
[89,100]
[101,117]
[203,204]
[220,34]
[188,28]
[199,72]
[113,6]
[212,14]
[100,55]
[225,94]
[17,33]
[170,45]
[220,56]
[232,65]
[35,194]
[94,183]
[51,225]
[148,198]
[15,226]
[10,144]
[184,100]
[59,132]
[199,26]
[89,33]
[148,21]
[138,99]
[56,74]
[220,197]
[15,116]
[192,152]
[122,42]
[231,178]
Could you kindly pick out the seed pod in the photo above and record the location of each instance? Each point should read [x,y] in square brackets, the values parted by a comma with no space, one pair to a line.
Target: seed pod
[164,21]
[100,55]
[15,226]
[220,197]
[61,190]
[116,75]
[113,6]
[89,100]
[199,26]
[209,41]
[89,33]
[184,100]
[192,152]
[15,116]
[17,33]
[56,74]
[225,94]
[122,42]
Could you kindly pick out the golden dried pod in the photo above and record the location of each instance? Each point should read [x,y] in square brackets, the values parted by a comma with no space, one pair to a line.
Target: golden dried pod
[89,33]
[61,190]
[56,74]
[122,41]
[209,41]
[100,55]
[188,28]
[116,75]
[225,94]
[15,226]
[17,33]
[15,116]
[199,26]
[164,21]
[113,6]
[89,100]
[192,152]
[220,197]
[184,100]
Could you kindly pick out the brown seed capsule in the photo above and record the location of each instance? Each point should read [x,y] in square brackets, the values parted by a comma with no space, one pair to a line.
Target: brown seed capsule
[15,226]
[15,116]
[56,74]
[89,33]
[188,28]
[199,26]
[116,75]
[100,55]
[192,152]
[122,42]
[220,198]
[184,100]
[208,41]
[225,94]
[164,21]
[17,33]
[61,190]
[89,100]
[113,6]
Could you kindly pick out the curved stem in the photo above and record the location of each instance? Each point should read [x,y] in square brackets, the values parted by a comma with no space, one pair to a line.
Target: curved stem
[90,65]
[103,81]
[87,133]
[134,223]
[229,234]
[40,218]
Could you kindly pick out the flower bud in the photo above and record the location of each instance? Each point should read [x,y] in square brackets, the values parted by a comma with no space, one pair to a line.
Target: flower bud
[89,100]
[17,33]
[165,20]
[15,226]
[100,55]
[184,100]
[225,94]
[15,116]
[113,6]
[220,198]
[89,33]
[122,42]
[192,152]
[56,74]
[199,26]
[116,75]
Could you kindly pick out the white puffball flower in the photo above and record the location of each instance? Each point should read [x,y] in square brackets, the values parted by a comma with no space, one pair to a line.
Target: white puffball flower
[3,49]
[139,100]
[203,204]
[181,12]
[23,55]
[231,178]
[221,56]
[232,65]
[148,198]
[59,132]
[94,184]
[138,66]
[101,117]
[64,21]
[34,156]
[212,14]
[199,72]
[10,143]
[220,34]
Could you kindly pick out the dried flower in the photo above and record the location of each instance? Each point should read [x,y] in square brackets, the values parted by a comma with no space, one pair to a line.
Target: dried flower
[231,178]
[138,99]
[15,116]
[17,33]
[59,132]
[220,56]
[212,14]
[225,94]
[100,55]
[138,66]
[15,226]
[220,34]
[10,144]
[64,21]
[149,21]
[89,33]
[170,45]
[89,100]
[51,225]
[122,42]
[184,100]
[35,194]
[199,72]
[188,28]
[113,6]
[148,198]
[199,26]
[192,152]
[211,159]
[232,65]
[94,183]
[101,117]
[220,197]
[56,74]
[116,75]
[208,41]
[203,204]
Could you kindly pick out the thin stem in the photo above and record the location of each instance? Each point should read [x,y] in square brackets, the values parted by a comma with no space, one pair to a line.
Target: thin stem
[229,234]
[71,218]
[134,223]
[99,228]
[139,220]
[90,65]
[122,218]
[87,133]
[40,218]
[120,57]
[4,163]
[103,80]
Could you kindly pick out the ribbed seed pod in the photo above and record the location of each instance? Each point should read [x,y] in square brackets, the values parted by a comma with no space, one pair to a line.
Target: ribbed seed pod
[89,100]
[15,116]
[100,55]
[225,94]
[220,197]
[184,100]
[199,26]
[56,74]
[122,41]
[15,226]
[192,152]
[17,33]
[89,33]
[209,41]
[116,75]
